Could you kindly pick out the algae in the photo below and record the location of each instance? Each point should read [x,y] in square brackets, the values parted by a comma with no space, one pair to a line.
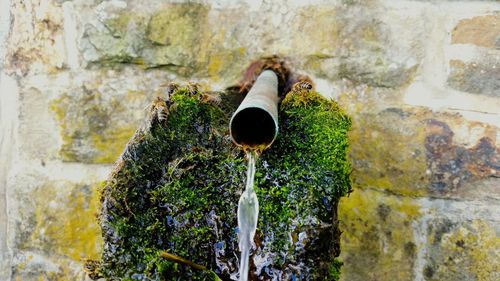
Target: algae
[176,186]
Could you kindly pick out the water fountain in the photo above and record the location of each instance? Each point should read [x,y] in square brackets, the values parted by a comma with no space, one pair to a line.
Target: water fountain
[170,206]
[254,127]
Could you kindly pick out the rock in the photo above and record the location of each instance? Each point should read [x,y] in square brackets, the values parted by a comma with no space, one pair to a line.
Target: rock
[462,251]
[377,230]
[55,229]
[174,192]
[377,164]
[437,154]
[37,126]
[452,165]
[423,239]
[86,121]
[482,31]
[36,39]
[177,37]
[356,43]
[98,113]
[476,77]
[169,37]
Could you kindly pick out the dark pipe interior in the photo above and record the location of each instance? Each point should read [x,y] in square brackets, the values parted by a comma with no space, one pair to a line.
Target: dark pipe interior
[253,127]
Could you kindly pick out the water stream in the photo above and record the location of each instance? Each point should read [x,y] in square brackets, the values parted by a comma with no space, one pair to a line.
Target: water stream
[248,213]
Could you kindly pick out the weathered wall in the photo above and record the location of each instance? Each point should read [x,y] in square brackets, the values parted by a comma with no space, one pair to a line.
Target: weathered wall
[421,80]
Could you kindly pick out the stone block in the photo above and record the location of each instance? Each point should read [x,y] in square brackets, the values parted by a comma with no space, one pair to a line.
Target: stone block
[54,228]
[417,152]
[476,77]
[98,113]
[388,152]
[482,31]
[459,240]
[357,41]
[378,241]
[390,237]
[37,140]
[451,165]
[180,37]
[467,250]
[36,38]
[196,40]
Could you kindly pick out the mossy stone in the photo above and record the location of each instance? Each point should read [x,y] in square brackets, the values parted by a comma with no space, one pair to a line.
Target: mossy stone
[175,189]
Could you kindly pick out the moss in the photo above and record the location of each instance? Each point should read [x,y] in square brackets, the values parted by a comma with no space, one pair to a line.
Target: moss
[304,173]
[334,270]
[177,185]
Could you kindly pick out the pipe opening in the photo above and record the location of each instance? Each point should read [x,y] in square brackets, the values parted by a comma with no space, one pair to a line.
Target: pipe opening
[253,127]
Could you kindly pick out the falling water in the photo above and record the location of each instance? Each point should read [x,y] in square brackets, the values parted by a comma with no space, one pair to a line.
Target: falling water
[248,212]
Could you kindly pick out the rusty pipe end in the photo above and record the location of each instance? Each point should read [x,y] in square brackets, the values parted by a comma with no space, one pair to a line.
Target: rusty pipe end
[254,125]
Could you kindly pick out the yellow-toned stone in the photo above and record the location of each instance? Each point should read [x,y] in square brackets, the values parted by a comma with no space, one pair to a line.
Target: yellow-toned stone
[165,24]
[318,36]
[468,250]
[388,152]
[225,64]
[94,127]
[378,241]
[66,221]
[483,31]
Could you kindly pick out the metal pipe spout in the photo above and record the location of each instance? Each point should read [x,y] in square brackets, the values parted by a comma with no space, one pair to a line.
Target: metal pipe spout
[254,125]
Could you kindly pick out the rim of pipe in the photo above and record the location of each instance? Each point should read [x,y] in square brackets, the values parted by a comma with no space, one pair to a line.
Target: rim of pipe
[254,124]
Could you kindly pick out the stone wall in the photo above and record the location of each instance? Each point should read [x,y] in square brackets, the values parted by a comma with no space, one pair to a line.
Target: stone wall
[421,80]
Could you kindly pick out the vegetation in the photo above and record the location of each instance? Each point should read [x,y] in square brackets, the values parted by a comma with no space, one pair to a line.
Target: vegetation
[169,208]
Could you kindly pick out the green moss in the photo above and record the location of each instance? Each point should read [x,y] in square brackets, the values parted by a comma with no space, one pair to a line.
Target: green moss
[177,186]
[334,270]
[304,174]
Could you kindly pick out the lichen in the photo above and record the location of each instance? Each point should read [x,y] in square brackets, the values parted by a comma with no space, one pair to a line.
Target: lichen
[176,187]
[94,127]
[67,231]
[390,152]
[377,231]
[165,24]
[463,251]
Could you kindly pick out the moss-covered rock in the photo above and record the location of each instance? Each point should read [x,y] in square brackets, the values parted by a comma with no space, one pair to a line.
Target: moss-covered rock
[169,208]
